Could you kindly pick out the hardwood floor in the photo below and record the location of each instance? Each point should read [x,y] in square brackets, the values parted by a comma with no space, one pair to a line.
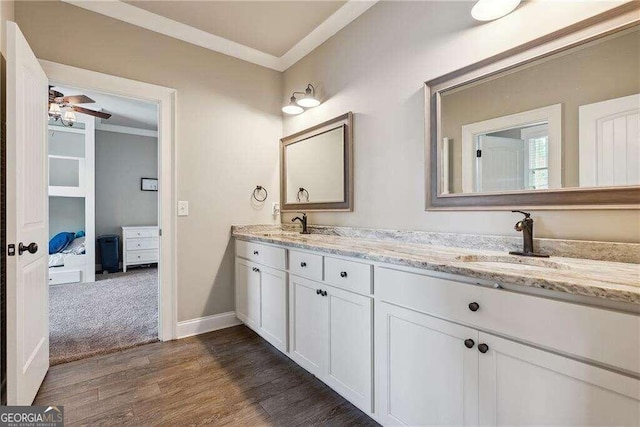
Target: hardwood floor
[227,377]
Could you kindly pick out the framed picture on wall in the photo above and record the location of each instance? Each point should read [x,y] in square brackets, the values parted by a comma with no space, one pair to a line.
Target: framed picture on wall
[149,184]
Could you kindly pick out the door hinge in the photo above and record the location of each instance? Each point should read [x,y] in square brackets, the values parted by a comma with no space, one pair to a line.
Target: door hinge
[11,250]
[478,153]
[160,232]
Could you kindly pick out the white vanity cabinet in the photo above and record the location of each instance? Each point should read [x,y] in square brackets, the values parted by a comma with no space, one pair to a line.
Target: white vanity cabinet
[331,337]
[261,300]
[414,347]
[426,375]
[521,384]
[437,364]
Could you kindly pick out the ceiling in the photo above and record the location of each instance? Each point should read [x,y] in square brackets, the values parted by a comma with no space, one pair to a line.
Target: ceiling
[124,111]
[272,27]
[274,34]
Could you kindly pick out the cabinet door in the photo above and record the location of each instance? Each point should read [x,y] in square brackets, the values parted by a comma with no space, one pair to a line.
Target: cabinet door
[248,293]
[520,384]
[308,324]
[426,374]
[349,348]
[273,322]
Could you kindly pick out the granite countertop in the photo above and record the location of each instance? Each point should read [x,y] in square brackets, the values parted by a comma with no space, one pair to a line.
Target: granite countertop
[610,280]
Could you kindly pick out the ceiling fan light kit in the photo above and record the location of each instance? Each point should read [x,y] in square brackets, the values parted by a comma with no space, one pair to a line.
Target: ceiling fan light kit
[307,100]
[62,107]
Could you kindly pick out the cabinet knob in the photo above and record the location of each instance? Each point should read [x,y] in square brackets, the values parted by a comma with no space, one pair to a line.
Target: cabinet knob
[469,343]
[255,252]
[483,348]
[318,292]
[343,274]
[474,306]
[323,293]
[303,264]
[256,269]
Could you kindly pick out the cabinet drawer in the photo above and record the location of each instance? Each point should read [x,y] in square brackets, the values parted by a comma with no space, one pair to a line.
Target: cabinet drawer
[263,254]
[305,264]
[350,275]
[67,276]
[601,335]
[150,232]
[142,256]
[138,244]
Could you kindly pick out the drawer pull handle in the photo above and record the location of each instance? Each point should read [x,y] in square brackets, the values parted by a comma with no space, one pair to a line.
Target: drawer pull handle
[255,252]
[343,274]
[474,306]
[256,269]
[469,343]
[483,348]
[303,264]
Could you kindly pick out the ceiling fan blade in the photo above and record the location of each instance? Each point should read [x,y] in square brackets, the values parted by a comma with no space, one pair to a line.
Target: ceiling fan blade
[90,112]
[77,99]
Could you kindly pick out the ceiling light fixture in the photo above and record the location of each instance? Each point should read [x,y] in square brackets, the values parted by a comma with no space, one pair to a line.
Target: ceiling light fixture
[307,100]
[56,113]
[488,10]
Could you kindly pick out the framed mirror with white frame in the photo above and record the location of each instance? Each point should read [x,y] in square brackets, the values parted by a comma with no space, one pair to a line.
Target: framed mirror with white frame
[554,123]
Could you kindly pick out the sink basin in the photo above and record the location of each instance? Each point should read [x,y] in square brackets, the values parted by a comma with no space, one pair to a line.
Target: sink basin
[513,259]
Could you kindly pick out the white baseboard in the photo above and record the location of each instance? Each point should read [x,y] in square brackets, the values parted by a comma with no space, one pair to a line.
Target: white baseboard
[202,325]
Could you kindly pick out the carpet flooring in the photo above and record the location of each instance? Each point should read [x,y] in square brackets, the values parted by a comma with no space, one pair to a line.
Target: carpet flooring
[118,311]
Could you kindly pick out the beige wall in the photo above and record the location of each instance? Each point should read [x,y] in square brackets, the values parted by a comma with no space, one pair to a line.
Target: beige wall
[599,72]
[376,67]
[228,126]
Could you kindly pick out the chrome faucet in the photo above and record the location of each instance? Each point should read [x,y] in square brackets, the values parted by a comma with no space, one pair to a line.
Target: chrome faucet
[526,227]
[303,221]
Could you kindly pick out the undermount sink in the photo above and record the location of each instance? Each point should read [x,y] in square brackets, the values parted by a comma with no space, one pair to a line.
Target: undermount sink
[513,259]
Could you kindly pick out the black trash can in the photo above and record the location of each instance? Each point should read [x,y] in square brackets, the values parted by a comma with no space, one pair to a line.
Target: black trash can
[109,245]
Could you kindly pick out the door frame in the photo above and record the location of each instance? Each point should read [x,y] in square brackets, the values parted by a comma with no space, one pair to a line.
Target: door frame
[65,75]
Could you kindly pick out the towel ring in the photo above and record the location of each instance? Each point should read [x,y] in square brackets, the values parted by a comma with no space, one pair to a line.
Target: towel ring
[302,191]
[256,193]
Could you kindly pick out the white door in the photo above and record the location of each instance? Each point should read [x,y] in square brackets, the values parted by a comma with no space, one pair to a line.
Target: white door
[248,293]
[427,369]
[308,324]
[501,165]
[524,385]
[350,346]
[273,321]
[610,142]
[27,221]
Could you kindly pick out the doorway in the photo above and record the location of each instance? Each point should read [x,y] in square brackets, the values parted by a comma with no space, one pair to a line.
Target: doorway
[103,223]
[26,208]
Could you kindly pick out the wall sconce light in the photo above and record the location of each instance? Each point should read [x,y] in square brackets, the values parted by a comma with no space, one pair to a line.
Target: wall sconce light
[488,10]
[307,100]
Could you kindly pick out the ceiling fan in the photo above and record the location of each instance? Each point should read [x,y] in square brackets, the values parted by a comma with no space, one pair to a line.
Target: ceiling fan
[63,107]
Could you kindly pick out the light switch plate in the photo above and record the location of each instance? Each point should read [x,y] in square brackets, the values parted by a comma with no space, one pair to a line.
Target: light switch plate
[183,208]
[275,208]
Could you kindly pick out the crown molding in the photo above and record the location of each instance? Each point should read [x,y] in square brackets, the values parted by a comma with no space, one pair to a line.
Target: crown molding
[139,17]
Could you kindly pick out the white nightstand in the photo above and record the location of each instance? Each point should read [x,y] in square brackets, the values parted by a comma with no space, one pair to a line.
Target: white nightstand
[140,245]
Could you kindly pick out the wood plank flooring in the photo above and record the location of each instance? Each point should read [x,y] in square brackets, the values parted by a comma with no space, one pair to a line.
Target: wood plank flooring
[227,377]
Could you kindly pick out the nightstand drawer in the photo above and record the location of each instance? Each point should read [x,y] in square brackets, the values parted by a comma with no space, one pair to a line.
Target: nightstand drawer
[136,233]
[142,256]
[139,244]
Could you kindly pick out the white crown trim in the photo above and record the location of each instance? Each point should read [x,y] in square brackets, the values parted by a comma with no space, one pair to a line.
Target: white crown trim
[136,16]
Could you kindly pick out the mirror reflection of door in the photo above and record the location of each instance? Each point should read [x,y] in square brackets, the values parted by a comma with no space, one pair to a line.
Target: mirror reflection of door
[513,159]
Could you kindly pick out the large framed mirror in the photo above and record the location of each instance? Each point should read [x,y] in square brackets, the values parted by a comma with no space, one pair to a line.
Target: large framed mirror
[316,167]
[551,124]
